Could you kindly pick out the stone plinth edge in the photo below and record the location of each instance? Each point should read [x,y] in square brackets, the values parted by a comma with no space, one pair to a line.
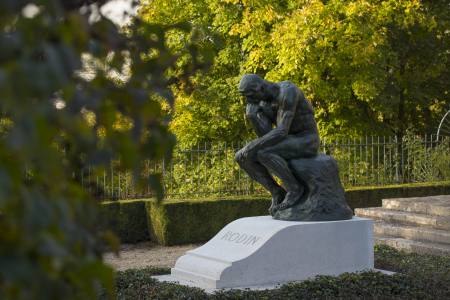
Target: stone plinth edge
[171,279]
[261,251]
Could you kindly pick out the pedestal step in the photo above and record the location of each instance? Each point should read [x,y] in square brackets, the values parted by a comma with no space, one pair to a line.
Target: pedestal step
[418,224]
[403,217]
[435,205]
[414,246]
[416,233]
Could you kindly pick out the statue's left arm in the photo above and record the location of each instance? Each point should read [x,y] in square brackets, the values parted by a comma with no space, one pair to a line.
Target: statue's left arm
[286,113]
[258,119]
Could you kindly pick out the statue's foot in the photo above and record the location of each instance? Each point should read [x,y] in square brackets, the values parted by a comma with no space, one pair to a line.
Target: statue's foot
[276,200]
[290,200]
[272,209]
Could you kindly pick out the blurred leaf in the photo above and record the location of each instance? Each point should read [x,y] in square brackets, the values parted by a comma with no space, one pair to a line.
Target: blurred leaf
[74,98]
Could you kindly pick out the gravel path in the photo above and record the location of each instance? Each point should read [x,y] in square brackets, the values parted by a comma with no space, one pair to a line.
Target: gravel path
[138,256]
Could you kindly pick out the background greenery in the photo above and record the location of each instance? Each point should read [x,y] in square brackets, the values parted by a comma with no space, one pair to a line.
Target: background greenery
[209,169]
[195,220]
[78,94]
[369,67]
[74,91]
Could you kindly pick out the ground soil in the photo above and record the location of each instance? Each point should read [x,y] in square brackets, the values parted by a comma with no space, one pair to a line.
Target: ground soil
[146,254]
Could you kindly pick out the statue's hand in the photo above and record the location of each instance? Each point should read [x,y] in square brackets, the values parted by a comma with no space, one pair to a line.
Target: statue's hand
[261,123]
[268,110]
[251,110]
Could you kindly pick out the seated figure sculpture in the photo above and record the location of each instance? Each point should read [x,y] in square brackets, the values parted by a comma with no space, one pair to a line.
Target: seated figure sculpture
[288,142]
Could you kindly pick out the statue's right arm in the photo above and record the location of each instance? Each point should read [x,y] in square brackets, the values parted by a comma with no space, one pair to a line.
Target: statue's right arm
[260,122]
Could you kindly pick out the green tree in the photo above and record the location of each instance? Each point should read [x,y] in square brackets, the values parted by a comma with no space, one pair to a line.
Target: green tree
[74,91]
[369,66]
[377,67]
[213,111]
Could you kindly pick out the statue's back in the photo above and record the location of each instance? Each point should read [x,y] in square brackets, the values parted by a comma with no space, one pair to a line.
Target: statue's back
[303,122]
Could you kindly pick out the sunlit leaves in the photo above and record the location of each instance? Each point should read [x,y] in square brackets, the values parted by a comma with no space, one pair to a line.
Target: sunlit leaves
[76,94]
[368,66]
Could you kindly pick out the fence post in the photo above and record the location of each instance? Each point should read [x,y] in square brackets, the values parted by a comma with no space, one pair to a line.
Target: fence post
[198,168]
[112,180]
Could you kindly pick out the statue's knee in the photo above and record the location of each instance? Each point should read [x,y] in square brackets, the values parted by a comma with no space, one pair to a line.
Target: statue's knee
[239,157]
[263,155]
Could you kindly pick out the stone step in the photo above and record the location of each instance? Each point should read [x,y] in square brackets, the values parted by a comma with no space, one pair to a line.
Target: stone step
[417,233]
[402,217]
[433,205]
[414,246]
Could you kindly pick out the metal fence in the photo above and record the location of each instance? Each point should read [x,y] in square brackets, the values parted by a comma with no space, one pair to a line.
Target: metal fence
[209,169]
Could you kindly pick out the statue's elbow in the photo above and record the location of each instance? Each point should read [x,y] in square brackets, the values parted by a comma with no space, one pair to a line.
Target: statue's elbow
[282,132]
[239,157]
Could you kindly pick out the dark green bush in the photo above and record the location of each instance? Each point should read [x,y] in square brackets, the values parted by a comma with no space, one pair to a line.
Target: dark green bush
[197,220]
[422,277]
[127,219]
[109,216]
[77,93]
[133,221]
[371,196]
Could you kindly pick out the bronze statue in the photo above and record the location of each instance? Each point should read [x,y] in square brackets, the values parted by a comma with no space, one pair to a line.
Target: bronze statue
[287,132]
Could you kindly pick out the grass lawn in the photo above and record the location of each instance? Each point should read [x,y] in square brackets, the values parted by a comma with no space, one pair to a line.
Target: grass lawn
[418,277]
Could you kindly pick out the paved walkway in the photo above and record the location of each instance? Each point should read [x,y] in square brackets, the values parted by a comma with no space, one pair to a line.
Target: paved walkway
[146,254]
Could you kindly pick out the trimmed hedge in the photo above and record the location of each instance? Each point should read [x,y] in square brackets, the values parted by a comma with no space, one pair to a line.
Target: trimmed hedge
[172,223]
[197,220]
[420,277]
[127,219]
[361,197]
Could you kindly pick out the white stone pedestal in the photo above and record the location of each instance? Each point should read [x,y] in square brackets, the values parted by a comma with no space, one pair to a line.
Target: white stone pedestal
[261,251]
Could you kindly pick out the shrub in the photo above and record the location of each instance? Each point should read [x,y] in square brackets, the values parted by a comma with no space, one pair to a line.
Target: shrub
[76,93]
[127,219]
[197,221]
[422,277]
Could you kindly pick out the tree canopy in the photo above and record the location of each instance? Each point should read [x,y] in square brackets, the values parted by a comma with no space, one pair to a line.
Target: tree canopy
[75,90]
[369,67]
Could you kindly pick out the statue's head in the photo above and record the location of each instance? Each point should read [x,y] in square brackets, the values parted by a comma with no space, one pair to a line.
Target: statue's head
[253,87]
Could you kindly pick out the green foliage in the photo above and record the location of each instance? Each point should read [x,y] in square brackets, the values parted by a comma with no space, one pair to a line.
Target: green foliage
[74,91]
[368,66]
[139,284]
[109,216]
[387,258]
[182,222]
[378,66]
[427,161]
[199,219]
[194,220]
[372,196]
[422,277]
[214,110]
[127,219]
[210,169]
[133,222]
